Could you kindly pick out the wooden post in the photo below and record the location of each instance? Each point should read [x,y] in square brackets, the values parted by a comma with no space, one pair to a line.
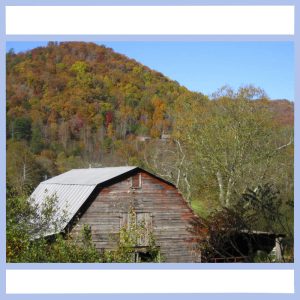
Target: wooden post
[278,249]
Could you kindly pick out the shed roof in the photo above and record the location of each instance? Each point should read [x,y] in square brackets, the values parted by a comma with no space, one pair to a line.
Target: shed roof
[72,189]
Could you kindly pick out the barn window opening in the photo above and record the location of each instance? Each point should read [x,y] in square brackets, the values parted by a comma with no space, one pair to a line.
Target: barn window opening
[144,256]
[136,181]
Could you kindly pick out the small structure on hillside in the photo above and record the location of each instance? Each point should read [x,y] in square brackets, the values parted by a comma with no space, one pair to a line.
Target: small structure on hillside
[143,138]
[102,198]
[165,137]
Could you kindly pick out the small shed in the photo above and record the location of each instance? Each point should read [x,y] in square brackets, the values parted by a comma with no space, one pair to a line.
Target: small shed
[244,245]
[143,138]
[102,198]
[165,137]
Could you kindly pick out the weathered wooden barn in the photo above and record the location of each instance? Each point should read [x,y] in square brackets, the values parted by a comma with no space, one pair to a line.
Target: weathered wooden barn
[102,199]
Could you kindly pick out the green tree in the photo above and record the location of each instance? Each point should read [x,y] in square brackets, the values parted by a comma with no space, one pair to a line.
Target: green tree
[268,211]
[26,227]
[23,170]
[233,143]
[36,143]
[21,129]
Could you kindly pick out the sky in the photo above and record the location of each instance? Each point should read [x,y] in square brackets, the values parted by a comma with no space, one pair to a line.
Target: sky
[207,66]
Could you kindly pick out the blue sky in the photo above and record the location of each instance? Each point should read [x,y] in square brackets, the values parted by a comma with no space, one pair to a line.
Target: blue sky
[206,66]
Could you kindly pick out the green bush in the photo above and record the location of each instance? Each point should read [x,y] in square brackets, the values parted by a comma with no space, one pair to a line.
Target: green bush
[25,241]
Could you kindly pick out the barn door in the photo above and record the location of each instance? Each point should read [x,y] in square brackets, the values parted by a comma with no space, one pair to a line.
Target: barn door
[142,222]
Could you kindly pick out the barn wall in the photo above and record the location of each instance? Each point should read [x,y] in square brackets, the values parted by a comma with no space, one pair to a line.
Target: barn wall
[169,211]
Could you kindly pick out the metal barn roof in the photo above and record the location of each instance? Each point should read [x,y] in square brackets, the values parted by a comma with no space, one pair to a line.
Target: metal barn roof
[72,189]
[90,176]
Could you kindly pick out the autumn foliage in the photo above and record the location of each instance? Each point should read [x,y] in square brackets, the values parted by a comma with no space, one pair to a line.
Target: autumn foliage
[75,105]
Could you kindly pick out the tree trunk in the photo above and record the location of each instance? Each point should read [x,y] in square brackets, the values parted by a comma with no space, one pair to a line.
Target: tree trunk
[221,188]
[228,192]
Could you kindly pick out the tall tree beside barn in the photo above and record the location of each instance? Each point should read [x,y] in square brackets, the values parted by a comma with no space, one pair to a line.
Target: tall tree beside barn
[234,142]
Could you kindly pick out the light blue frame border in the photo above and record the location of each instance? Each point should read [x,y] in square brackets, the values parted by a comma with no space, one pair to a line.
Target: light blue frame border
[4,38]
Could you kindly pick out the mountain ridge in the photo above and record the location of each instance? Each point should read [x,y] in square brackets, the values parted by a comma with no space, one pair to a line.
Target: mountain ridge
[74,100]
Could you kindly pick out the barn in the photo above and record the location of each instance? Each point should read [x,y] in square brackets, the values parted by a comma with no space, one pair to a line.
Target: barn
[102,199]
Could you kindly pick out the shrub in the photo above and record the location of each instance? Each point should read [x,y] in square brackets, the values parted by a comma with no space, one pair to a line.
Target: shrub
[25,241]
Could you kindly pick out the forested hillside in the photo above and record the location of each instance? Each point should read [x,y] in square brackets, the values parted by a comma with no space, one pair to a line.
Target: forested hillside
[74,104]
